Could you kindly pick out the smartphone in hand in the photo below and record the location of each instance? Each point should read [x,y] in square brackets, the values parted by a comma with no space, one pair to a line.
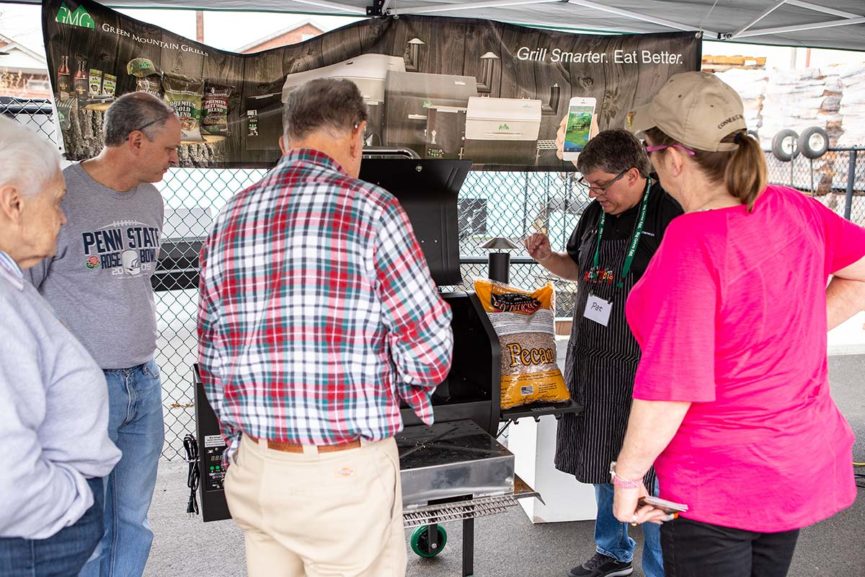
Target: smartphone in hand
[578,127]
[663,504]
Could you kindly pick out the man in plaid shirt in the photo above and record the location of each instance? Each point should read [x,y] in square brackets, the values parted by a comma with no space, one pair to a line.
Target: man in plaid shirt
[317,315]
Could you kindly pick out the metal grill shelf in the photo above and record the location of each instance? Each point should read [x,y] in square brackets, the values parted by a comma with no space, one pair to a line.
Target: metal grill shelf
[457,510]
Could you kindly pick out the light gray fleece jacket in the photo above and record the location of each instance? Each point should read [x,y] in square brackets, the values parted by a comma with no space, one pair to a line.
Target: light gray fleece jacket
[53,415]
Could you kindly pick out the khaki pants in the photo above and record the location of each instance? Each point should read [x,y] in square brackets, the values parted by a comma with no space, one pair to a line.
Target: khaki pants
[333,514]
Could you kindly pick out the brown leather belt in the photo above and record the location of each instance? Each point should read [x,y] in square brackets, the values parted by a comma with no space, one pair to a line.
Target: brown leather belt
[289,447]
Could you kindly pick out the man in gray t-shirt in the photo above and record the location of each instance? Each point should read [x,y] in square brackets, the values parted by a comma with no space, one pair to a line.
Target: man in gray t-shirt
[99,284]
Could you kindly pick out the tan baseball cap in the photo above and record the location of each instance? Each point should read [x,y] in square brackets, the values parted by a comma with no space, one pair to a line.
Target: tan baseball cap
[696,109]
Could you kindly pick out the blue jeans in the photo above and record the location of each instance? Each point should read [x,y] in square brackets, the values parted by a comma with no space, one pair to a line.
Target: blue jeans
[61,555]
[612,539]
[136,427]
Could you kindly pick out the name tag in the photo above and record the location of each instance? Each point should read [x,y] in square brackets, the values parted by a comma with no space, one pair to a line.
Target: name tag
[598,310]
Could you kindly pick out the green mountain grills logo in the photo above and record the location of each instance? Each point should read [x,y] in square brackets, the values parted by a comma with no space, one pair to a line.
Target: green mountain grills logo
[78,18]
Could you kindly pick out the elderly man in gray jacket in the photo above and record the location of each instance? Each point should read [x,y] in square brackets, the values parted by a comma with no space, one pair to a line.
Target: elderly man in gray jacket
[53,396]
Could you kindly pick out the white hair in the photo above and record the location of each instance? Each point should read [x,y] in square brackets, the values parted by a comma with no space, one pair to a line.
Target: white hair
[26,160]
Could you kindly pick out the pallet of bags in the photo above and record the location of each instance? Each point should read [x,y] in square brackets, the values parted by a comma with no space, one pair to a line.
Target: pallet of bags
[751,87]
[799,99]
[852,108]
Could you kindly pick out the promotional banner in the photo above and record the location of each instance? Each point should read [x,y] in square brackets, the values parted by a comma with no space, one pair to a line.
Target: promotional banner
[484,91]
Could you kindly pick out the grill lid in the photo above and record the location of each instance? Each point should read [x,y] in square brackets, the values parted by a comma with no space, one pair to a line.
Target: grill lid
[428,191]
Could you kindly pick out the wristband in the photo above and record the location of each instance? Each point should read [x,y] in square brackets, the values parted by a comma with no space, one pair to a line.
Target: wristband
[623,483]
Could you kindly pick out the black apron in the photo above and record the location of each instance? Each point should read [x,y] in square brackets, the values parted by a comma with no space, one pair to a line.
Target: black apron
[600,367]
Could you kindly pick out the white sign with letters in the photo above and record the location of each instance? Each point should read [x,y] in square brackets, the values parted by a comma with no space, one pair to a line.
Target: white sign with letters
[598,310]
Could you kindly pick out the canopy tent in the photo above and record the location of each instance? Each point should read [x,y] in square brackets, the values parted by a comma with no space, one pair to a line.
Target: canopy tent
[836,24]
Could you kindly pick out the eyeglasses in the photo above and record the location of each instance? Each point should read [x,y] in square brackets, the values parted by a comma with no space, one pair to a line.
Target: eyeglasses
[650,148]
[602,187]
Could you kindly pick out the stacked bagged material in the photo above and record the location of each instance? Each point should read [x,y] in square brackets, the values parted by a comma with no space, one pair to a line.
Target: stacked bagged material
[853,115]
[799,99]
[852,108]
[751,86]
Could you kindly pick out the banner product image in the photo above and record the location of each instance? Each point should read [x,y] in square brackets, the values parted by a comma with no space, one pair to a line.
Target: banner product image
[186,96]
[455,88]
[578,127]
[215,113]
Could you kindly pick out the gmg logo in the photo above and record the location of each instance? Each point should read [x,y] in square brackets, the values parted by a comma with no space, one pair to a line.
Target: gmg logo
[78,18]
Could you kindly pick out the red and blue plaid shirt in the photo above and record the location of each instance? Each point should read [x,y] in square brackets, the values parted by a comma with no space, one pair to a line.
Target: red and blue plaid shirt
[317,310]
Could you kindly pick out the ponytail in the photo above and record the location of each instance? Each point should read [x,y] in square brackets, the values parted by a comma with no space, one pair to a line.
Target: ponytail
[746,173]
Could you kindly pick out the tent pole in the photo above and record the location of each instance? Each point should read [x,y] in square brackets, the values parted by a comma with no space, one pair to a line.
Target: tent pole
[430,9]
[823,9]
[801,27]
[758,18]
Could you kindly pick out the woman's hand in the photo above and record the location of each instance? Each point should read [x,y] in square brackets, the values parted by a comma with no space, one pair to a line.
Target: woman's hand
[651,426]
[626,502]
[627,509]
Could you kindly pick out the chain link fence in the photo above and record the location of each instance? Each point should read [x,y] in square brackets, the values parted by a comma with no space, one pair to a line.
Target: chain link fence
[511,205]
[837,179]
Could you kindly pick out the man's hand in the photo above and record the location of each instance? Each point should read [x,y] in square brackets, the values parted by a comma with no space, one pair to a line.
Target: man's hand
[538,246]
[560,264]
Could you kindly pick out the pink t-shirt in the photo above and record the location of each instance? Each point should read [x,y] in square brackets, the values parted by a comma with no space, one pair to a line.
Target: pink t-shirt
[731,316]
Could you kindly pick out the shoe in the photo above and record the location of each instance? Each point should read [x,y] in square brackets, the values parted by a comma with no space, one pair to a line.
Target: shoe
[601,566]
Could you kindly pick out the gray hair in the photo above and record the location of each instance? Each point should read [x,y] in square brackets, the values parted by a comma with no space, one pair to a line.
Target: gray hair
[26,161]
[614,151]
[135,111]
[323,104]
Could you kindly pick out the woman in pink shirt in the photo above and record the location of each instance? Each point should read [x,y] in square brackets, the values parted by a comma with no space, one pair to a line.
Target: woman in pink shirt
[731,398]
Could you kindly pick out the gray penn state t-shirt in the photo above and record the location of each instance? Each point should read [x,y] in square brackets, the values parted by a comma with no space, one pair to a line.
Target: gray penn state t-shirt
[99,281]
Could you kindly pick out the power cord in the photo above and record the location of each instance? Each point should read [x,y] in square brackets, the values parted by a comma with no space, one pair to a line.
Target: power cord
[194,476]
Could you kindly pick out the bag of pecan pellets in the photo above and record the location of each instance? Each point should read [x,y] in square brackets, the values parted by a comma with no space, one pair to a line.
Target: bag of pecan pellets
[525,324]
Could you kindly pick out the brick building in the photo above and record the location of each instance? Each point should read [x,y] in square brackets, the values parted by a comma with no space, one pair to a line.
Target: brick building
[293,35]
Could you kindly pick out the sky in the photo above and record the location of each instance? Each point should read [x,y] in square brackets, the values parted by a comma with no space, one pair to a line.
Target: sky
[232,30]
[223,30]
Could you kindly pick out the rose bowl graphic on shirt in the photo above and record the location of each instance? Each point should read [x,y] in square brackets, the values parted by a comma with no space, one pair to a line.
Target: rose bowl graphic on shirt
[126,248]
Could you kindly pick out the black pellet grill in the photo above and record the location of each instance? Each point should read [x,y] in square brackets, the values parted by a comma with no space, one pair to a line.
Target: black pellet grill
[454,470]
